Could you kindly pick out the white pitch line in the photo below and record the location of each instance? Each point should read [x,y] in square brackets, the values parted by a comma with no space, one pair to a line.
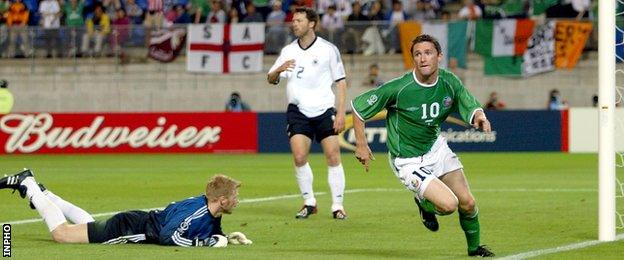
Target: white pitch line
[273,198]
[560,249]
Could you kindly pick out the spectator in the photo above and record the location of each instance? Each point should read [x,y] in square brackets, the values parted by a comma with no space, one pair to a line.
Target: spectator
[333,25]
[6,98]
[73,20]
[395,17]
[470,11]
[33,7]
[155,15]
[121,31]
[371,36]
[199,9]
[373,79]
[236,104]
[595,100]
[216,14]
[424,11]
[252,16]
[494,103]
[17,22]
[555,102]
[356,24]
[344,8]
[134,12]
[110,7]
[569,9]
[183,16]
[240,6]
[4,8]
[262,7]
[376,12]
[233,16]
[356,13]
[276,32]
[98,28]
[51,21]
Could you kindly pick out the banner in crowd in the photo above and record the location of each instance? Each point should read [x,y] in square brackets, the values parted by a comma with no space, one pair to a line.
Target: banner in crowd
[128,133]
[570,39]
[503,38]
[538,57]
[166,44]
[451,50]
[540,54]
[224,48]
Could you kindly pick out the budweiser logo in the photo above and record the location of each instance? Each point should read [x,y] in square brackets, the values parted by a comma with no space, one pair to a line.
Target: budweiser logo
[29,133]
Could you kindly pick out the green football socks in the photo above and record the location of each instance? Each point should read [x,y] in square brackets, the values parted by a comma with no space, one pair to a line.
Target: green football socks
[470,225]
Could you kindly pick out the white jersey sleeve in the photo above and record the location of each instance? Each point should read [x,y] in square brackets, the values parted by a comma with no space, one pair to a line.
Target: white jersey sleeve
[280,60]
[336,66]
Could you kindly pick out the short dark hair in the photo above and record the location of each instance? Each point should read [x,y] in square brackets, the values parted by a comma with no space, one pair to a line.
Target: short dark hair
[425,38]
[311,15]
[4,83]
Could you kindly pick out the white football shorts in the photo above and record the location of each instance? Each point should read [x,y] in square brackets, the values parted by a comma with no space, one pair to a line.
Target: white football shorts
[417,172]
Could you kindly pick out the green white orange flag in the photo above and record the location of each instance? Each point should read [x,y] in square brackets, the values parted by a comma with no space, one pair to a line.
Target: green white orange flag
[503,38]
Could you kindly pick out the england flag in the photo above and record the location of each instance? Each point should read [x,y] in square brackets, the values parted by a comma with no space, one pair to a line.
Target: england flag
[225,48]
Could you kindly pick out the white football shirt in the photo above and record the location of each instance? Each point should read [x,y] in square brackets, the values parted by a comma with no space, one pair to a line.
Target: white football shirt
[316,69]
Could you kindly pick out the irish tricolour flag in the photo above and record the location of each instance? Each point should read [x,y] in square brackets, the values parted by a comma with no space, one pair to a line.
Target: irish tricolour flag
[452,38]
[505,37]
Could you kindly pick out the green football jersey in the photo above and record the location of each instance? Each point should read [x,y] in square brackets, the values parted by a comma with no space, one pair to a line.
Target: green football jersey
[415,111]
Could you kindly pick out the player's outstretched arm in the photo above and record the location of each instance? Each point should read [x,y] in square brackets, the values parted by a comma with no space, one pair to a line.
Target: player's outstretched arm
[481,122]
[362,151]
[273,76]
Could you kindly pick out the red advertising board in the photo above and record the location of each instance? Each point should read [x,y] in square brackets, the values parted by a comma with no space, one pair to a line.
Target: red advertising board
[128,133]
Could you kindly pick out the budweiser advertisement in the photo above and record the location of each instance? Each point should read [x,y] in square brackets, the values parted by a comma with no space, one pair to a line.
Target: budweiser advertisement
[128,133]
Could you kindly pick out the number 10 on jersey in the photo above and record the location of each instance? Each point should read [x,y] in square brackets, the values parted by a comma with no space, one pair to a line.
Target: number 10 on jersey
[434,110]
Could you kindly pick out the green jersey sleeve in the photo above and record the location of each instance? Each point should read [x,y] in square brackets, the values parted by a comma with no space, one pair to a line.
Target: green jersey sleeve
[371,102]
[466,103]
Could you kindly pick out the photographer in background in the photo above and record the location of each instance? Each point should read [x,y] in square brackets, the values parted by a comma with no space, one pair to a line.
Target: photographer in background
[236,104]
[6,98]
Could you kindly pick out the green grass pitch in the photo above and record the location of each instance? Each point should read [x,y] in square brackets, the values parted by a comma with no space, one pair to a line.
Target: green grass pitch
[527,202]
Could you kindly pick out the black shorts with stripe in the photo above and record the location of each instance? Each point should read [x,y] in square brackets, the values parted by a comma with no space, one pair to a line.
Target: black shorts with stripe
[314,128]
[126,227]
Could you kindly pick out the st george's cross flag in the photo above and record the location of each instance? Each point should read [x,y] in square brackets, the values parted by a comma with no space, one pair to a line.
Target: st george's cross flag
[225,48]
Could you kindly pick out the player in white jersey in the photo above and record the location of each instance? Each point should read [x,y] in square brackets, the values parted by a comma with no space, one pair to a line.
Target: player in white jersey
[312,65]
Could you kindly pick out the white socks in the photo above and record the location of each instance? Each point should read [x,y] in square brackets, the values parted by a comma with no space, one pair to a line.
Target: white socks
[336,180]
[50,213]
[73,213]
[305,180]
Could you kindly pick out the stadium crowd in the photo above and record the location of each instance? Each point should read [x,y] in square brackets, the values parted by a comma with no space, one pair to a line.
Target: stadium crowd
[67,27]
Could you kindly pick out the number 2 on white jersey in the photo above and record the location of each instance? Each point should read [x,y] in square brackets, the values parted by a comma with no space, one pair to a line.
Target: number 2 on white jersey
[434,110]
[299,72]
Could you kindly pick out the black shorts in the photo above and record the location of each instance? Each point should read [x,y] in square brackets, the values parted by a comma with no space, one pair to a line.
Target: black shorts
[126,227]
[314,128]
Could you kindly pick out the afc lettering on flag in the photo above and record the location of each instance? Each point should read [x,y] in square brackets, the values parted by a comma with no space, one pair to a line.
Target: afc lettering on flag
[225,48]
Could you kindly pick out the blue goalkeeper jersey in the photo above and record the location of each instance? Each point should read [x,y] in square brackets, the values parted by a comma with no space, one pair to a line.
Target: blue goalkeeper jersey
[185,222]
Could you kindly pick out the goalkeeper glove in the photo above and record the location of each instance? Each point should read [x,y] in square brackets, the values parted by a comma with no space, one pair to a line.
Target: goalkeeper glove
[238,238]
[213,241]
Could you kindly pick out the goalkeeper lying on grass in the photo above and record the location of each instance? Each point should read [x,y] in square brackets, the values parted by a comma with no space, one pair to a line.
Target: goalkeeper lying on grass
[194,221]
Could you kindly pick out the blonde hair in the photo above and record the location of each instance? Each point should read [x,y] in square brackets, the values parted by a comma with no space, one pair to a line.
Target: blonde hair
[221,185]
